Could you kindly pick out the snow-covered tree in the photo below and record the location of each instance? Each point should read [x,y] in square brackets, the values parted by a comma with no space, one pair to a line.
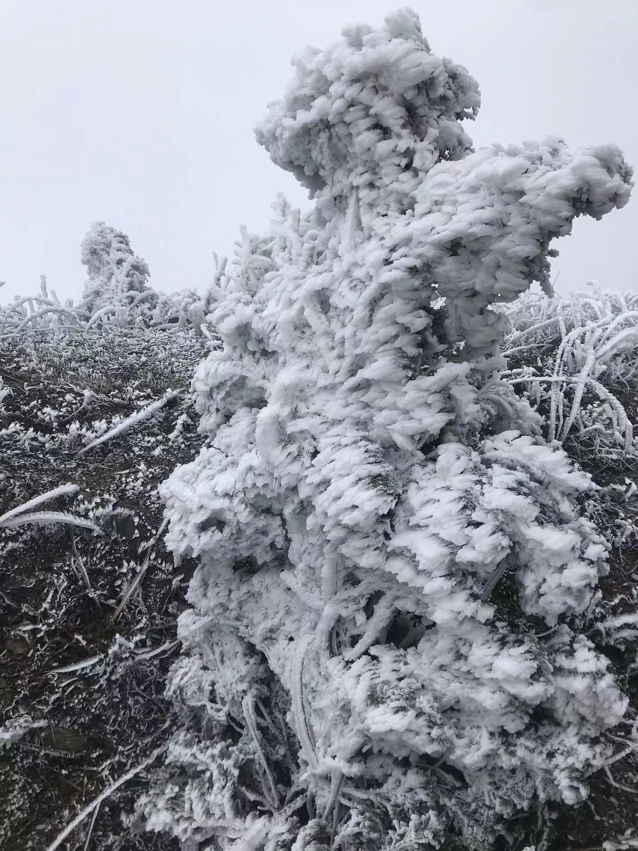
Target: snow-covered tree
[388,634]
[118,278]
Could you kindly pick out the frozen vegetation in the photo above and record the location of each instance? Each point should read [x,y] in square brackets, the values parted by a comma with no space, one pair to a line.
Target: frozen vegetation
[406,520]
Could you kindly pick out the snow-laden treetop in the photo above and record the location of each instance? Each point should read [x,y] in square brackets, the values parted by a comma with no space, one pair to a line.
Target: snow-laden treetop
[372,125]
[373,112]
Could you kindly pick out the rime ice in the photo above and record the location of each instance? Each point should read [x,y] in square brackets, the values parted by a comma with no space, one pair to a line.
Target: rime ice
[386,636]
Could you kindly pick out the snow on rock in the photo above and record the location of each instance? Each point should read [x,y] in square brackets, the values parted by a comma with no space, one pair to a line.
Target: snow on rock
[386,636]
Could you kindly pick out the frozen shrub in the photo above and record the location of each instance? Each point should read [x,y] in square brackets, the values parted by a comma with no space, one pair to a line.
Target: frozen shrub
[117,277]
[387,640]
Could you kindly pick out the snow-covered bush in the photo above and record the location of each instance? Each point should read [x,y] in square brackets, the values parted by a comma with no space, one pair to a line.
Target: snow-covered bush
[386,640]
[575,358]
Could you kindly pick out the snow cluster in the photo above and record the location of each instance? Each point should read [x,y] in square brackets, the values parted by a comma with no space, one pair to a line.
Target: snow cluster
[386,639]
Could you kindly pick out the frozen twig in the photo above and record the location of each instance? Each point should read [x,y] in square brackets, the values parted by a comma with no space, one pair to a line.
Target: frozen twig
[15,730]
[248,705]
[303,731]
[77,666]
[63,490]
[86,812]
[91,826]
[40,518]
[135,419]
[39,313]
[135,583]
[82,572]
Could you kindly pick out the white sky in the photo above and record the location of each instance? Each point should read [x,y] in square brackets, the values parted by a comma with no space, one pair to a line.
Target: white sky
[140,113]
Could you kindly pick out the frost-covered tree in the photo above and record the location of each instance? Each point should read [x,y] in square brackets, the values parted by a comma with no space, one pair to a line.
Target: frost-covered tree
[117,290]
[117,277]
[388,634]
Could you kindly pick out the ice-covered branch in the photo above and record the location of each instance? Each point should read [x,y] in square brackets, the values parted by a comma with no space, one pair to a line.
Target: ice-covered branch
[130,422]
[63,490]
[106,793]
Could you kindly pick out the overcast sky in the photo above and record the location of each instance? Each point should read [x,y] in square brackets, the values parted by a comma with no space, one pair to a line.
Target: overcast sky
[140,113]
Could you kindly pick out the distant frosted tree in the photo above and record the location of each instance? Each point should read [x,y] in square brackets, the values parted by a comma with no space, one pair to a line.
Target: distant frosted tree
[388,634]
[118,278]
